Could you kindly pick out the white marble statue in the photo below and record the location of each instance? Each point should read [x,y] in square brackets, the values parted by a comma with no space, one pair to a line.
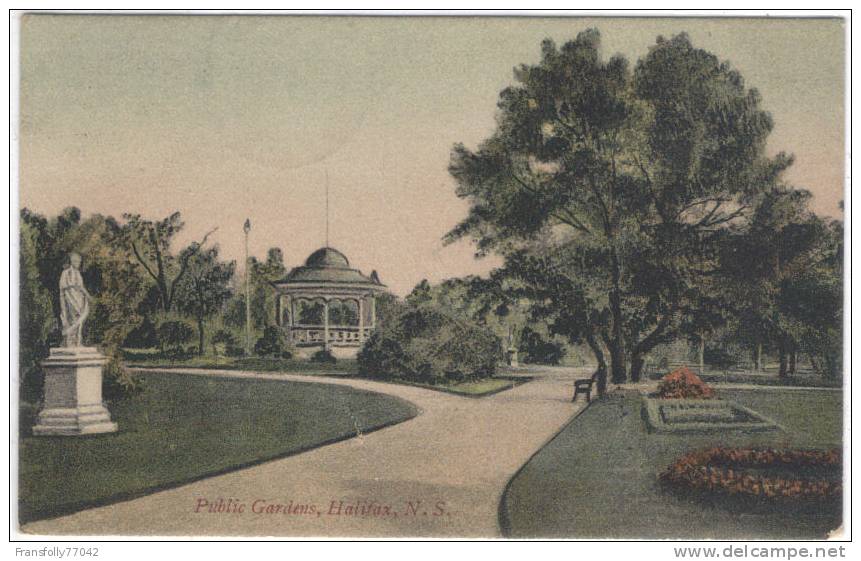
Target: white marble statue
[74,302]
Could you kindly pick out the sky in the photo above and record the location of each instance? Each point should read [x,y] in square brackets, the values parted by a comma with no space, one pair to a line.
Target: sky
[225,118]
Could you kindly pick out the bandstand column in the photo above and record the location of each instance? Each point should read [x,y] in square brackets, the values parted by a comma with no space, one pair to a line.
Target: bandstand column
[362,317]
[373,311]
[326,324]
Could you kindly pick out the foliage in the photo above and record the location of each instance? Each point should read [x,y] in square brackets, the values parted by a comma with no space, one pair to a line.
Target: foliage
[495,302]
[323,356]
[627,180]
[35,316]
[684,384]
[261,276]
[783,277]
[222,340]
[117,382]
[718,357]
[172,336]
[271,343]
[425,344]
[537,349]
[109,272]
[205,286]
[149,242]
[143,336]
[387,306]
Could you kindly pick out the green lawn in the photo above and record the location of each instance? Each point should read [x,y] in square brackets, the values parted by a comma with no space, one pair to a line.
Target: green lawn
[598,477]
[183,428]
[477,388]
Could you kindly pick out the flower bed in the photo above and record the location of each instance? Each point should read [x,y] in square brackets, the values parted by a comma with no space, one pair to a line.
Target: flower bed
[763,475]
[674,415]
[683,384]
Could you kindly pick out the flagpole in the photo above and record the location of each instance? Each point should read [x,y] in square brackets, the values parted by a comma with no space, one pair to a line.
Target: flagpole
[247,229]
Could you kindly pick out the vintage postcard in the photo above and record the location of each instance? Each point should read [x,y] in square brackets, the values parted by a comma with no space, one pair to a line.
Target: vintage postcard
[378,276]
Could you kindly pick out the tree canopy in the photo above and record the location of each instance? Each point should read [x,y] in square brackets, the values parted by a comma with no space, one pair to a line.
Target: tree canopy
[627,180]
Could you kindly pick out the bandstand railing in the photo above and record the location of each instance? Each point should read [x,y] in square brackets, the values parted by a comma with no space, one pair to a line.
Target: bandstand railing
[346,335]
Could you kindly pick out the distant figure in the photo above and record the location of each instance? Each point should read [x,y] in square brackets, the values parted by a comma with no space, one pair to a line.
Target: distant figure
[74,302]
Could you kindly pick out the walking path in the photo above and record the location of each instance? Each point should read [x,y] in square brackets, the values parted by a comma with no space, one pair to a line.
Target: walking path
[440,474]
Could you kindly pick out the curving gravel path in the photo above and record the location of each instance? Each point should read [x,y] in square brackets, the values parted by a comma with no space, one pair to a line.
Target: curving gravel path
[440,474]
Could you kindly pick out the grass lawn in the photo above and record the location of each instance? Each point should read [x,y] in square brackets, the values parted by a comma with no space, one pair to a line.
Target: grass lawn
[183,428]
[598,477]
[478,388]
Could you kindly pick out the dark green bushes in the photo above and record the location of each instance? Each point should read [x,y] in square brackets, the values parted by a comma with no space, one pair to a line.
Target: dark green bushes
[537,349]
[323,357]
[172,336]
[272,344]
[424,344]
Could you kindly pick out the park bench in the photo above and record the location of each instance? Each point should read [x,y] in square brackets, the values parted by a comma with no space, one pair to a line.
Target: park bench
[585,387]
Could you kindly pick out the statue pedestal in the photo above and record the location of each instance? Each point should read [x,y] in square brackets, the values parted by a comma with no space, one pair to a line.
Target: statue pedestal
[73,394]
[511,355]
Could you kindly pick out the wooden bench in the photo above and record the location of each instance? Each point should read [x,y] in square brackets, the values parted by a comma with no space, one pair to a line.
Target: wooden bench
[585,387]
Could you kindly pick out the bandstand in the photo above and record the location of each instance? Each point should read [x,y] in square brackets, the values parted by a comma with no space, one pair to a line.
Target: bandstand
[325,304]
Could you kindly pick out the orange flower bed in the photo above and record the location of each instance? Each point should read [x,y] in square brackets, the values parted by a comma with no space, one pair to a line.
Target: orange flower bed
[726,471]
[684,384]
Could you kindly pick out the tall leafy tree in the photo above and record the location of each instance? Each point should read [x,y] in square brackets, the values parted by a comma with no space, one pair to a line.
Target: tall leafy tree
[204,288]
[782,276]
[149,241]
[263,275]
[110,273]
[35,314]
[641,169]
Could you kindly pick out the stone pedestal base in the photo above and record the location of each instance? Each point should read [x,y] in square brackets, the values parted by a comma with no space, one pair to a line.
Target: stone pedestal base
[73,394]
[512,357]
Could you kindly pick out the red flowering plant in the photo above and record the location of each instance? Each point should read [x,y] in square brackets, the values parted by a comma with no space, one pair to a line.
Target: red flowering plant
[762,474]
[684,384]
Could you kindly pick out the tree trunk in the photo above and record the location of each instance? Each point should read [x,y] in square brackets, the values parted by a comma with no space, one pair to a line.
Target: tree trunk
[830,366]
[793,359]
[602,364]
[200,348]
[637,362]
[616,343]
[758,357]
[783,364]
[645,346]
[701,352]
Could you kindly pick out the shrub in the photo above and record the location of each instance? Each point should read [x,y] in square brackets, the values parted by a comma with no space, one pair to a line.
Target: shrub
[222,340]
[172,335]
[117,381]
[324,357]
[683,383]
[271,344]
[536,349]
[422,343]
[144,336]
[718,357]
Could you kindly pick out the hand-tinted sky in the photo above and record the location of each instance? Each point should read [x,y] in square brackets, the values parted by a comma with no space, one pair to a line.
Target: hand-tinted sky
[224,118]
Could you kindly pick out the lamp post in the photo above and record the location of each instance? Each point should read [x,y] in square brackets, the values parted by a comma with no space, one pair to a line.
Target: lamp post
[247,228]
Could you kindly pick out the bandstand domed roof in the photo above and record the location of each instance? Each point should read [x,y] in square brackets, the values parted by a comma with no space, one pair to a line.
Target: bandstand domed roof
[328,265]
[328,257]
